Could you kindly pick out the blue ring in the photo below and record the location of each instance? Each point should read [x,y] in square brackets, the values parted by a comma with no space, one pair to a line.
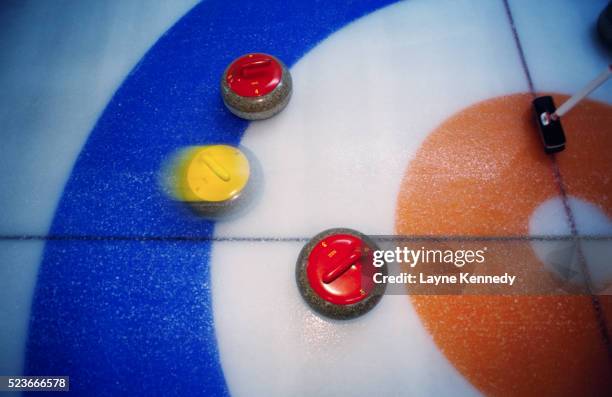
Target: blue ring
[123,303]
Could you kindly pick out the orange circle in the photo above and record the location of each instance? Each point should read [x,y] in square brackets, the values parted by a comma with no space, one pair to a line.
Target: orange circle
[483,172]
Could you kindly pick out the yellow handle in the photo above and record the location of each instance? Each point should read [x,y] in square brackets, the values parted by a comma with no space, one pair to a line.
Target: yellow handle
[216,168]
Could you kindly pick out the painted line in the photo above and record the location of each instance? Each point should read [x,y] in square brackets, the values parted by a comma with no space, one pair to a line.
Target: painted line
[600,317]
[240,239]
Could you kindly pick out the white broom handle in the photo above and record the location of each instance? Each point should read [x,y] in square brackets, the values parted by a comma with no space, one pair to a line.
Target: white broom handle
[580,95]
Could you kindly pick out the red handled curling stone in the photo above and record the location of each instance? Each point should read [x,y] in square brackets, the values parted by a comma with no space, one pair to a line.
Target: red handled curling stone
[334,274]
[256,86]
